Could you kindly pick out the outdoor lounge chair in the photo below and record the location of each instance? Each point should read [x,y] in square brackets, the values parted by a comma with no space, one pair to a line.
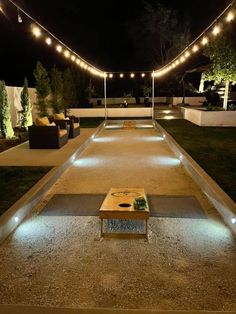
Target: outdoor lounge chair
[48,137]
[72,121]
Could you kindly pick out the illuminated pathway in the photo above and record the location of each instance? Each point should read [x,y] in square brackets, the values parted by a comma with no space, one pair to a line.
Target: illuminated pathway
[188,264]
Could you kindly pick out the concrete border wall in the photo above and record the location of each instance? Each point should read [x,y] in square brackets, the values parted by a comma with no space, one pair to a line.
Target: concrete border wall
[221,201]
[210,118]
[192,101]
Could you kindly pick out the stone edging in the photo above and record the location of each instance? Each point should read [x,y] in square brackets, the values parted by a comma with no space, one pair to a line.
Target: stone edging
[221,201]
[23,207]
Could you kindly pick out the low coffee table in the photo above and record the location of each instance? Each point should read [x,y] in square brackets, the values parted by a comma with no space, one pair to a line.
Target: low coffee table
[118,204]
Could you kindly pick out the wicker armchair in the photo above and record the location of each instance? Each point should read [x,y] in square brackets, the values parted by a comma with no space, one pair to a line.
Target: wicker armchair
[73,122]
[48,137]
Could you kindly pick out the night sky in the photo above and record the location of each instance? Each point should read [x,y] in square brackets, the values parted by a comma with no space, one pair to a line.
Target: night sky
[97,30]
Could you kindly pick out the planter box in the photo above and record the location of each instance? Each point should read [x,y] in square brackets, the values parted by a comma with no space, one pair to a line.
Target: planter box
[210,118]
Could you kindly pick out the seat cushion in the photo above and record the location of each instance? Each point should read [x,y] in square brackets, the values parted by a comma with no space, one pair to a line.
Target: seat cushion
[59,116]
[62,132]
[42,121]
[76,125]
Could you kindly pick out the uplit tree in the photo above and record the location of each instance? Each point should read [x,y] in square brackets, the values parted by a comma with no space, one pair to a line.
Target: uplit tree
[5,115]
[26,114]
[42,89]
[222,52]
[56,99]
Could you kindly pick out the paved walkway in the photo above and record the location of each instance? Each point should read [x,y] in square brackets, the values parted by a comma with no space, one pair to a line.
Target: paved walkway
[60,261]
[21,155]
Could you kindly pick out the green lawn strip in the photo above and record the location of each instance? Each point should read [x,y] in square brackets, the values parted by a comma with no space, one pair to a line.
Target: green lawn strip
[214,149]
[16,181]
[90,122]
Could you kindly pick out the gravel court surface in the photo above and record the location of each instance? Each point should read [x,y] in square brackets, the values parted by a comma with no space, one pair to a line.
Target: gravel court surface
[188,264]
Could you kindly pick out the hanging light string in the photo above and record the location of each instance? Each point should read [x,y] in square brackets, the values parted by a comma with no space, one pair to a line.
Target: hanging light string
[215,28]
[60,46]
[202,40]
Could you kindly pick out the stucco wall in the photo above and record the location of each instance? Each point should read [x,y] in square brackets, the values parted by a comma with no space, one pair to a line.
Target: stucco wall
[112,112]
[14,98]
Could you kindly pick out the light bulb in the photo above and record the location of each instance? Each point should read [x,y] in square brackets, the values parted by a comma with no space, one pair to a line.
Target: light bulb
[48,41]
[73,58]
[66,53]
[216,30]
[19,18]
[36,31]
[143,74]
[132,75]
[110,75]
[121,75]
[195,48]
[205,41]
[230,17]
[187,54]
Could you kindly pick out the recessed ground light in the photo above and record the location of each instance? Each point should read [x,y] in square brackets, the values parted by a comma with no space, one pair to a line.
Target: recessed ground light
[233,220]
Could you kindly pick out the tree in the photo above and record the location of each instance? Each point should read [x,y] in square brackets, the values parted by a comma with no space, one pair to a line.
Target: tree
[222,52]
[90,91]
[42,89]
[157,34]
[5,115]
[56,100]
[69,90]
[26,115]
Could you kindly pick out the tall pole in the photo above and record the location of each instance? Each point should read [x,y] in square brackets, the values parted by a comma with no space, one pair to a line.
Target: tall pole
[105,95]
[226,95]
[153,95]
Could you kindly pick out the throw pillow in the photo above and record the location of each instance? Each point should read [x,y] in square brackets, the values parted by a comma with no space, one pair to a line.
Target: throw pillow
[59,116]
[42,121]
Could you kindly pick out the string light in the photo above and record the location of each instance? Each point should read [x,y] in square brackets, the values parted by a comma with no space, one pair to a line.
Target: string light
[19,18]
[59,48]
[195,48]
[230,17]
[66,53]
[216,30]
[187,54]
[36,31]
[48,41]
[39,31]
[205,41]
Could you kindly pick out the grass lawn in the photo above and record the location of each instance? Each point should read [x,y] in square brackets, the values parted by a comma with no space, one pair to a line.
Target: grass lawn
[16,181]
[90,122]
[214,149]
